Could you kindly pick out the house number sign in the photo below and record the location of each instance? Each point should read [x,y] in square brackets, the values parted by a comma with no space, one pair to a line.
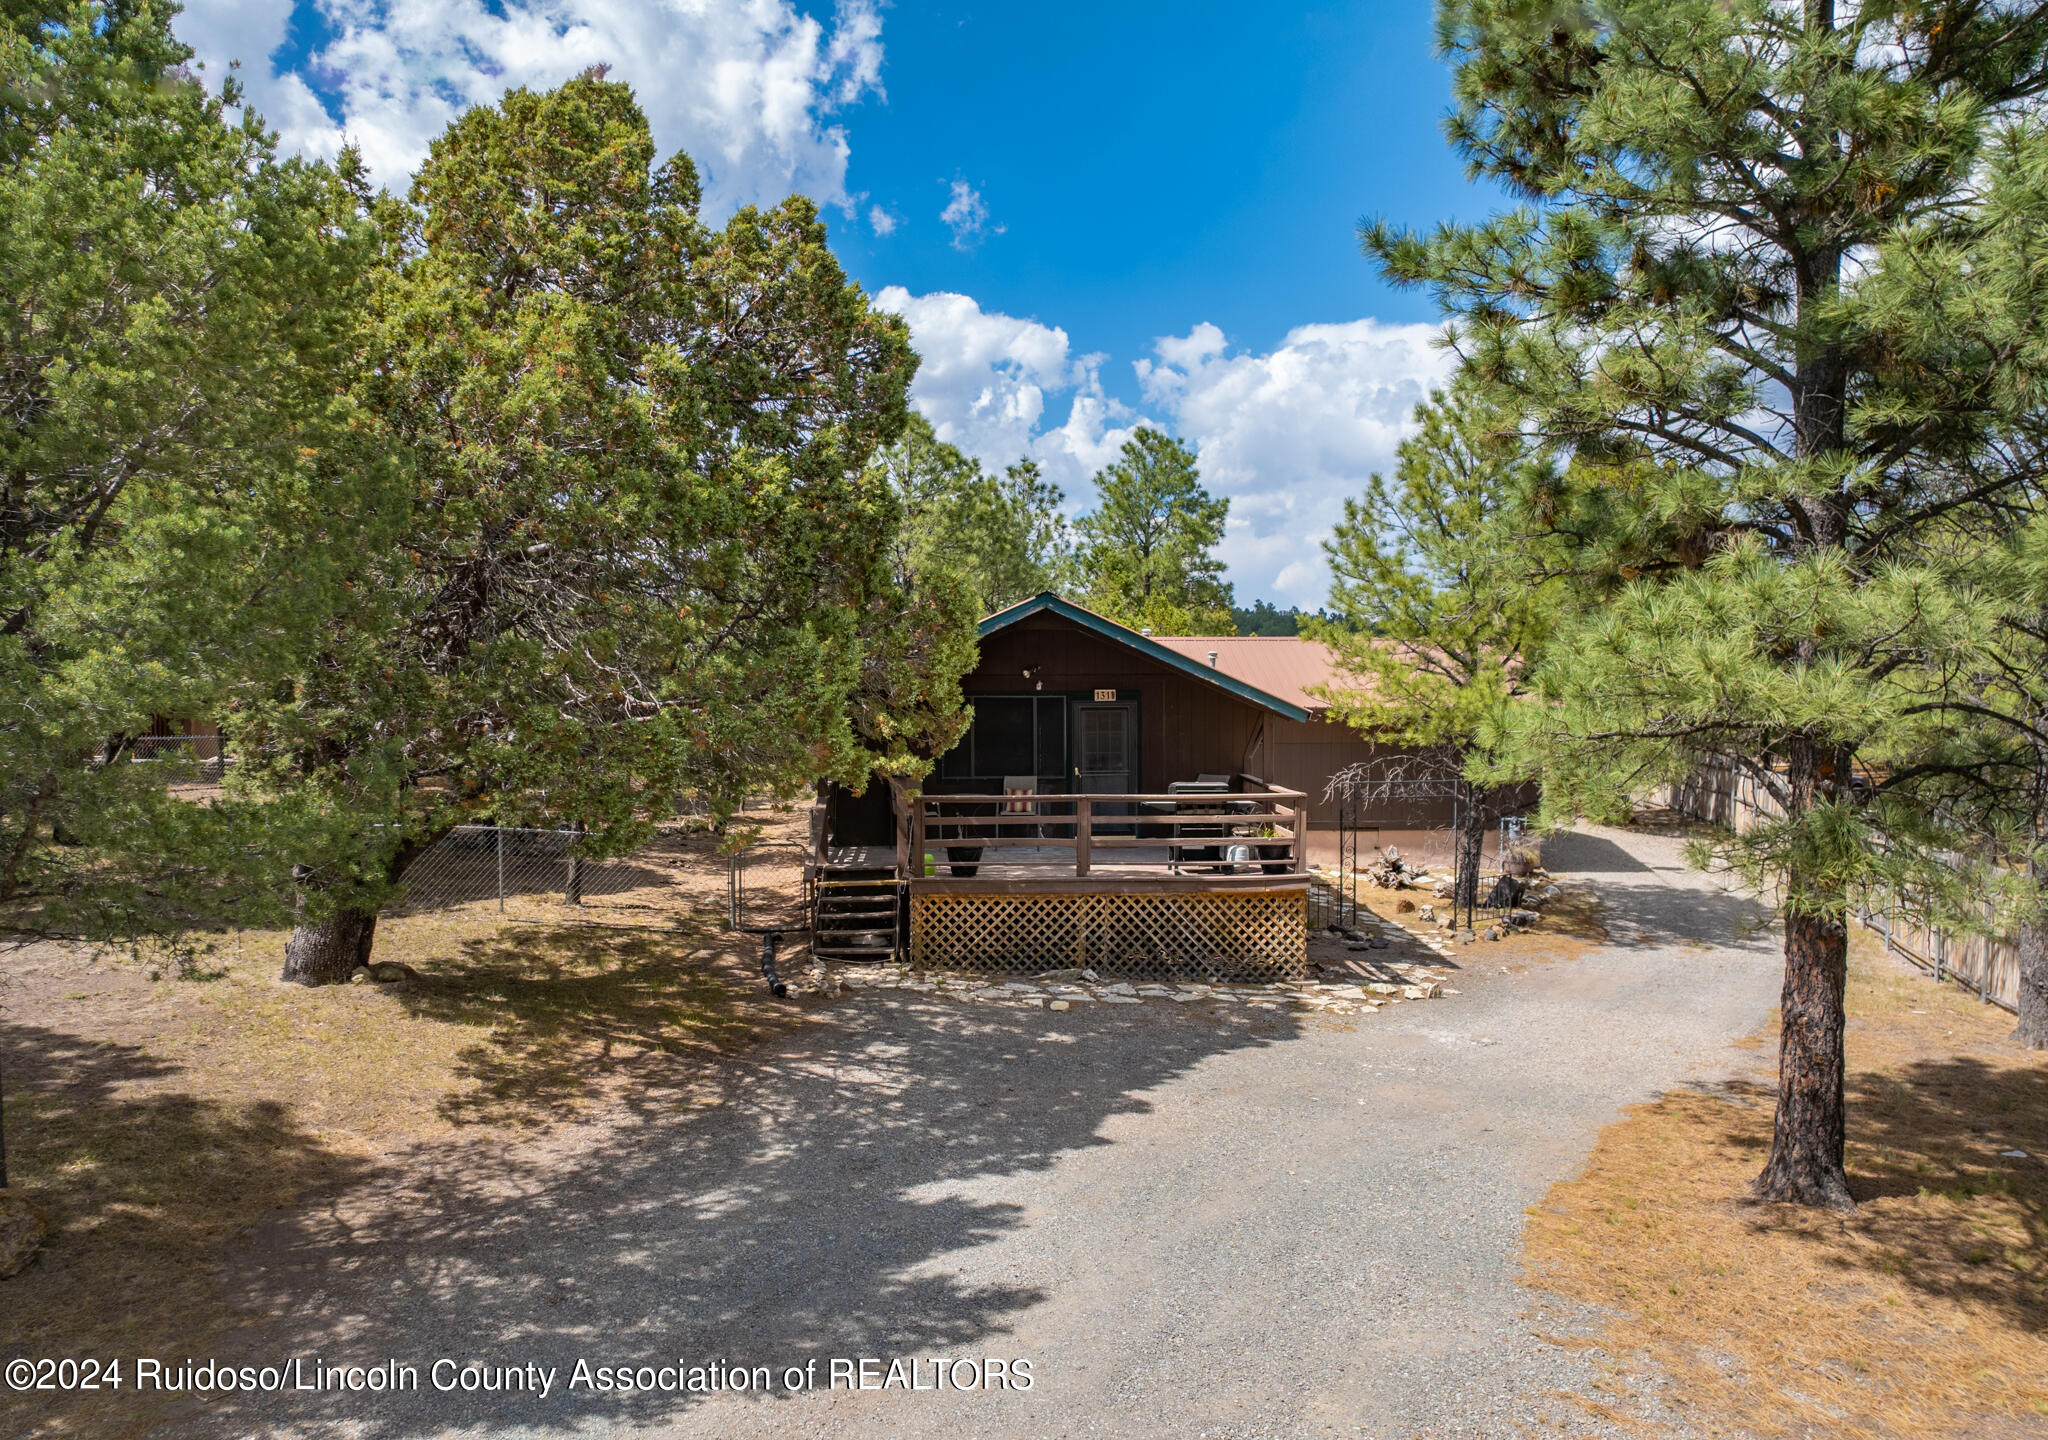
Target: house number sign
[1105,694]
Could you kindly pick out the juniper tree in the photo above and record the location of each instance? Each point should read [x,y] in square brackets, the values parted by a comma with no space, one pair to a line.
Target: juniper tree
[645,551]
[1146,552]
[184,480]
[1682,310]
[1003,536]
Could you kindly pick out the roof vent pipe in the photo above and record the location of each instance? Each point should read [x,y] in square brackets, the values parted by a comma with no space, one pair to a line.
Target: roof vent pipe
[1212,659]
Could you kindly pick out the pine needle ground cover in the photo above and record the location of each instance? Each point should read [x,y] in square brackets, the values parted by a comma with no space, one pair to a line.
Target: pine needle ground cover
[162,1123]
[1924,1314]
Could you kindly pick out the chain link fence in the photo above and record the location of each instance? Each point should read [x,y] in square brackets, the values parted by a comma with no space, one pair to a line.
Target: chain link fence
[202,753]
[541,874]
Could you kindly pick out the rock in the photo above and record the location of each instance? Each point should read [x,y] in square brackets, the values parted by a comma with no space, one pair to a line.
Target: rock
[1112,999]
[1379,987]
[1427,912]
[1058,1005]
[1120,988]
[360,975]
[1506,893]
[390,972]
[1491,934]
[1090,976]
[1404,907]
[1061,975]
[1524,917]
[22,1228]
[1378,945]
[1430,991]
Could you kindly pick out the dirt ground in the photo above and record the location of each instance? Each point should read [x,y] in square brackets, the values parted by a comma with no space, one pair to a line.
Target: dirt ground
[168,1125]
[1924,1314]
[158,1120]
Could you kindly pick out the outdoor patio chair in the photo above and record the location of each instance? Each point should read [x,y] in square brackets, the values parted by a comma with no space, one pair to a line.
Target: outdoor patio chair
[1015,786]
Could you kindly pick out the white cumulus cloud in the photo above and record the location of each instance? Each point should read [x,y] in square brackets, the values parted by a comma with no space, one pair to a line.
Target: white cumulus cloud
[984,379]
[1286,434]
[746,86]
[966,215]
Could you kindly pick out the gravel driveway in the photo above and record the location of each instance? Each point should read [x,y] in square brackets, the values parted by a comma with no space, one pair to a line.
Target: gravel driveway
[1191,1220]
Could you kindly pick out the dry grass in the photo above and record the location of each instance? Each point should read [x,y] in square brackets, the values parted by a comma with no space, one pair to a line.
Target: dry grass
[160,1121]
[1924,1314]
[1570,928]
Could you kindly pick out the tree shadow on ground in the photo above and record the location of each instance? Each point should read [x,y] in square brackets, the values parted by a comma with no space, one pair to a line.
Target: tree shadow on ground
[1576,853]
[1638,903]
[818,1204]
[141,1185]
[1942,1210]
[570,1015]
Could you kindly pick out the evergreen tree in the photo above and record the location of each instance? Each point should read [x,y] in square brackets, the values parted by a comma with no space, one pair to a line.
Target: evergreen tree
[1265,618]
[1435,621]
[1435,618]
[184,480]
[1685,311]
[1003,536]
[1146,552]
[646,551]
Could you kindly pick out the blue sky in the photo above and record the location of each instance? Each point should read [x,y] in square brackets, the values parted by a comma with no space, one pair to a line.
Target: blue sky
[1093,216]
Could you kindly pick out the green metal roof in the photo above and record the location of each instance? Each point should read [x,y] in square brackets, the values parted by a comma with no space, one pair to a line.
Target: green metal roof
[1049,603]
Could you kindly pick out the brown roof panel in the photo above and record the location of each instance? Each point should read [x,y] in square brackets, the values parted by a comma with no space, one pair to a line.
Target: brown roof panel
[1282,665]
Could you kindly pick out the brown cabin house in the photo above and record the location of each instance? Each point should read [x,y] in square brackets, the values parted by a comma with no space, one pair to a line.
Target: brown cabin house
[1121,802]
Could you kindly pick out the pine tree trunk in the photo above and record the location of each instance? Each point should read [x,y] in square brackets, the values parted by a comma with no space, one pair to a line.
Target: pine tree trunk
[1810,1133]
[2032,1031]
[324,951]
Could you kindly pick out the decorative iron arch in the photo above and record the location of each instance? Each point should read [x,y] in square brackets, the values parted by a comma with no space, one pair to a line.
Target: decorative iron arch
[1404,778]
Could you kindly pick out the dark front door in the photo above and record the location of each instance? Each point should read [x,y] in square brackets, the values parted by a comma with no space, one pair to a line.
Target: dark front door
[1106,752]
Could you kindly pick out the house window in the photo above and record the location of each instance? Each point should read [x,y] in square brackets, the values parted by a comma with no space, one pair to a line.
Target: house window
[1011,735]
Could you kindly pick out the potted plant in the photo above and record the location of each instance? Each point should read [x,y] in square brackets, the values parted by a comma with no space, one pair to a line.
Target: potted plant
[1273,859]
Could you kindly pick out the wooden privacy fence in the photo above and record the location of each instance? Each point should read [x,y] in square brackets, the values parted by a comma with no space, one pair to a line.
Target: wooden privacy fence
[1988,964]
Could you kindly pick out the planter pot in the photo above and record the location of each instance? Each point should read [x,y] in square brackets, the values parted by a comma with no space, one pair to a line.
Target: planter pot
[1268,854]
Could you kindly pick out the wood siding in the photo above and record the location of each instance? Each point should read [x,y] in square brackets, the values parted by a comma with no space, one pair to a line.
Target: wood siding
[1185,728]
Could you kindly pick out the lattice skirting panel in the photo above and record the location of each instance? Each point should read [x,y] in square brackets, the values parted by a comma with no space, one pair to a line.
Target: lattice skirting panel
[1223,935]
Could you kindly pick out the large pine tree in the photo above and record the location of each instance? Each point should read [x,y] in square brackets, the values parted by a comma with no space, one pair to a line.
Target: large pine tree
[1147,552]
[184,479]
[1683,308]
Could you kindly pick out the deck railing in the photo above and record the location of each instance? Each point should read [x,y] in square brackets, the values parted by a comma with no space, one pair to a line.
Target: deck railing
[1254,831]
